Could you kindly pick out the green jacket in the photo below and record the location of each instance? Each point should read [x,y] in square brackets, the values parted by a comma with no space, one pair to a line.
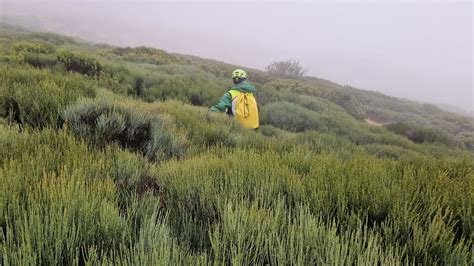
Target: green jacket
[225,104]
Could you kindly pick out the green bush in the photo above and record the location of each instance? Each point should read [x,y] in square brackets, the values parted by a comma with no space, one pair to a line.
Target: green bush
[143,54]
[40,60]
[203,128]
[79,63]
[30,47]
[102,122]
[290,116]
[419,134]
[52,38]
[467,139]
[193,89]
[33,97]
[35,54]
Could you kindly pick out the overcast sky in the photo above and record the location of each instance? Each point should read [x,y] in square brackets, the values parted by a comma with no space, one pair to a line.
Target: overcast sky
[416,50]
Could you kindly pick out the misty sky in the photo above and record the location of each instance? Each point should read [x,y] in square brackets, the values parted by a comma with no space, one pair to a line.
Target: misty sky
[415,50]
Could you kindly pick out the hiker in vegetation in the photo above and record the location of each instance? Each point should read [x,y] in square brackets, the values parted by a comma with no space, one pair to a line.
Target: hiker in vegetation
[240,101]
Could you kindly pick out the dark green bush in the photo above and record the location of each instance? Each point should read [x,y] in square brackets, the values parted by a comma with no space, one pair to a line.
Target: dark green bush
[79,63]
[36,54]
[102,122]
[399,128]
[40,60]
[419,134]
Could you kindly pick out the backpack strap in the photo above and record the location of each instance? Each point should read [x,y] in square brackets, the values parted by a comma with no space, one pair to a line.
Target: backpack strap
[234,93]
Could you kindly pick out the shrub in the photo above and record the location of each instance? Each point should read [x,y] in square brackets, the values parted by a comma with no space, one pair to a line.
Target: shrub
[102,122]
[288,68]
[52,38]
[346,100]
[143,54]
[271,131]
[30,47]
[204,128]
[35,54]
[419,134]
[34,97]
[79,63]
[467,139]
[290,116]
[40,60]
[194,89]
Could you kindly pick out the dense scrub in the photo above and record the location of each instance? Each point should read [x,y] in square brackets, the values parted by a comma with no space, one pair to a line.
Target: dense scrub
[104,122]
[241,205]
[34,97]
[418,134]
[127,167]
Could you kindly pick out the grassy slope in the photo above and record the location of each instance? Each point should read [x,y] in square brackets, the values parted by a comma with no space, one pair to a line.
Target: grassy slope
[127,165]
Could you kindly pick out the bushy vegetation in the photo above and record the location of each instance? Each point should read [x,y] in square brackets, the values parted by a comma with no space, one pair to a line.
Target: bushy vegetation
[34,97]
[128,166]
[104,122]
[418,134]
[79,63]
[288,68]
[141,54]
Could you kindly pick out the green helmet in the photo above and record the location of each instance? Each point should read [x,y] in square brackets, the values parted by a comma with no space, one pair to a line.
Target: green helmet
[239,73]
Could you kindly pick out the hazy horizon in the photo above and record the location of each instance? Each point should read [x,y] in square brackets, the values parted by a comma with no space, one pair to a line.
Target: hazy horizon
[420,51]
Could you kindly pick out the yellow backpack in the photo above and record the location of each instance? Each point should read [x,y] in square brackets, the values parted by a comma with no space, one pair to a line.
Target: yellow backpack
[244,108]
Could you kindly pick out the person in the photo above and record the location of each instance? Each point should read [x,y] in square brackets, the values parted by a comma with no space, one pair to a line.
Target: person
[239,101]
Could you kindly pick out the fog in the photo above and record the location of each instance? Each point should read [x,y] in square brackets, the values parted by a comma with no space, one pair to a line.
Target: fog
[416,50]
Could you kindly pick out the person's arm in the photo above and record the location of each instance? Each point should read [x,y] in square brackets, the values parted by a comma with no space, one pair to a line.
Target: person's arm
[224,103]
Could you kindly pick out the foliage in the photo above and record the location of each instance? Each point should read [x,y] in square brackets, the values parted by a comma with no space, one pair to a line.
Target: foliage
[128,166]
[102,122]
[40,60]
[288,68]
[79,63]
[467,139]
[34,97]
[52,38]
[38,55]
[418,134]
[38,48]
[290,117]
[144,54]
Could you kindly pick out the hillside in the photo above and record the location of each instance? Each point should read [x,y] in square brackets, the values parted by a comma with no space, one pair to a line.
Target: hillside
[110,155]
